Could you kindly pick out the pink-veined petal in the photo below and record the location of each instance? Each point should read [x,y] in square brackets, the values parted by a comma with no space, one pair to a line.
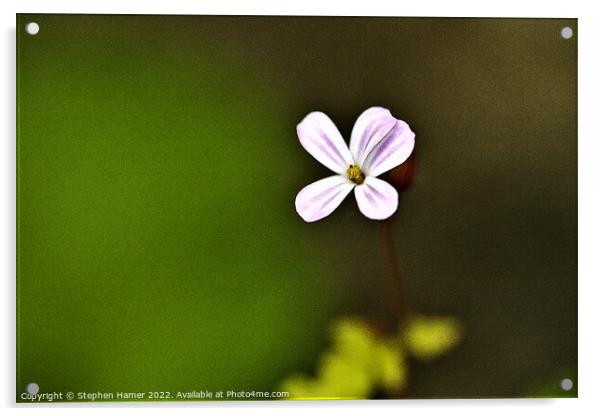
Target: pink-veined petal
[376,199]
[321,138]
[394,148]
[317,200]
[369,129]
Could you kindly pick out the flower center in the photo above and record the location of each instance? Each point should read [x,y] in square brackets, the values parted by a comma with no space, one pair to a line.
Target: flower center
[355,174]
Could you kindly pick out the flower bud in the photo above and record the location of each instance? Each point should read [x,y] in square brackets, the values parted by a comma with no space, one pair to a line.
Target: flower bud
[402,177]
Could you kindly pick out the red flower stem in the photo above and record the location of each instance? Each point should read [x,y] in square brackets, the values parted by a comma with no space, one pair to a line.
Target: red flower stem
[396,302]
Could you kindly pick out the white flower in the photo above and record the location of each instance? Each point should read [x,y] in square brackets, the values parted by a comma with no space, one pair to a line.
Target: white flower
[379,142]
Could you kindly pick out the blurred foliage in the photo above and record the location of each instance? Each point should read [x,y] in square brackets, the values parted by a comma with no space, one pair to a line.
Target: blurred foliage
[426,338]
[361,362]
[553,387]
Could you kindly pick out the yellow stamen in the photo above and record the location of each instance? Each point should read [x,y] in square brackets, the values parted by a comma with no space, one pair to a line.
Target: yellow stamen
[355,174]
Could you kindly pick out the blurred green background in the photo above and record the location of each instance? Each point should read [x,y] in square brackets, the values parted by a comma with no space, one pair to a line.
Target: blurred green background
[158,244]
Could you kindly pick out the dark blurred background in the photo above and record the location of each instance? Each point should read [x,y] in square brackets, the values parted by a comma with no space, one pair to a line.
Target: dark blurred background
[158,245]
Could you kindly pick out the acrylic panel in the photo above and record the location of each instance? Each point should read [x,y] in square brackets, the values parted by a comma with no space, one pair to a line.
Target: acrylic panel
[280,208]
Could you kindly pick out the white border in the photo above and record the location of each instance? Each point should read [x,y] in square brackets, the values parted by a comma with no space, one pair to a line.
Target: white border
[590,148]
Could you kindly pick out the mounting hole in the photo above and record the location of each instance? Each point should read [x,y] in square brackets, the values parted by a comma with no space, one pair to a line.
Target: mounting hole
[32,388]
[32,28]
[566,384]
[566,32]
